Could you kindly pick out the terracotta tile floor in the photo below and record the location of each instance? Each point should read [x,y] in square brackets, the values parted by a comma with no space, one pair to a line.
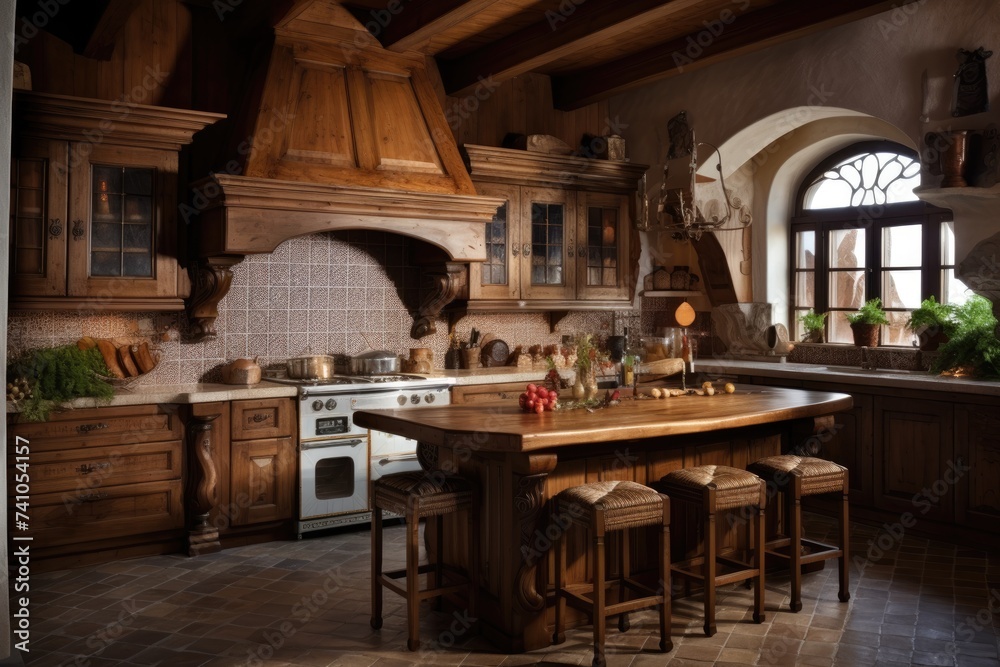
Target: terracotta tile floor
[306,603]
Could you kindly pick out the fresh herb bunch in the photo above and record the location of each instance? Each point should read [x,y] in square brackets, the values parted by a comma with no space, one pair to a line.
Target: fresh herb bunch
[869,313]
[973,346]
[813,321]
[59,374]
[932,314]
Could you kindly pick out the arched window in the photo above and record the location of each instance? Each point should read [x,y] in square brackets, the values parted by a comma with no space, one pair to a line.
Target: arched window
[859,232]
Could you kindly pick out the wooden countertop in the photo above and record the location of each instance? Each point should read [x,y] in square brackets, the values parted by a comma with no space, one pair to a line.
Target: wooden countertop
[503,427]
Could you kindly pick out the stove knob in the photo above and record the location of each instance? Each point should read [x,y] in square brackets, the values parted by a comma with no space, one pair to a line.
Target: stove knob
[429,398]
[331,404]
[317,405]
[415,399]
[401,400]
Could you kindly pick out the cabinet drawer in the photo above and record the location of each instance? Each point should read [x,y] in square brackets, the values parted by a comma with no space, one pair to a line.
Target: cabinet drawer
[101,426]
[266,418]
[80,470]
[105,513]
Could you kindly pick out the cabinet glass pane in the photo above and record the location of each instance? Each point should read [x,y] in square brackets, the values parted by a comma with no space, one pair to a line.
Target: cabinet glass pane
[847,249]
[495,269]
[547,235]
[602,247]
[27,217]
[121,236]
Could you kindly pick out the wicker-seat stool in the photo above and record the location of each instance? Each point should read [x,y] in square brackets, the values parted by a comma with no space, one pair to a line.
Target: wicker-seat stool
[715,489]
[603,507]
[796,477]
[416,495]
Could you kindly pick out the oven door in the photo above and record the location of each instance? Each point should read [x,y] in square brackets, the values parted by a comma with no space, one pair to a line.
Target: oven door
[333,477]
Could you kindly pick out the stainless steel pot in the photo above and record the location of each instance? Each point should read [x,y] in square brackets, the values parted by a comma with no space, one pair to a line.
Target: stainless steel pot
[310,367]
[375,362]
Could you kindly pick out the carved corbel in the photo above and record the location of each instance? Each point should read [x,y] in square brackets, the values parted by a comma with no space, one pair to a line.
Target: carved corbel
[447,283]
[210,281]
[202,491]
[529,503]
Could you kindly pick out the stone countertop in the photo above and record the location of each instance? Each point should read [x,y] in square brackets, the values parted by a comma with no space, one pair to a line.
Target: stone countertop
[182,393]
[849,375]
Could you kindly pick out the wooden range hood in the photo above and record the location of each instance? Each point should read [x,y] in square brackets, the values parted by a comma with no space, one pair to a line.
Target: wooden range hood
[345,135]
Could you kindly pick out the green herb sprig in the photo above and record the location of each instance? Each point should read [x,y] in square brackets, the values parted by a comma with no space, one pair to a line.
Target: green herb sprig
[58,374]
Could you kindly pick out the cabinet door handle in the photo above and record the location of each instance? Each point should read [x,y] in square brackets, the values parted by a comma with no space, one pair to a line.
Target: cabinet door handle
[55,228]
[515,251]
[526,250]
[259,417]
[88,468]
[87,428]
[92,496]
[78,230]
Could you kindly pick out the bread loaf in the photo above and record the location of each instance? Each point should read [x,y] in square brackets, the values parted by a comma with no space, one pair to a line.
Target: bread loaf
[144,358]
[110,354]
[126,361]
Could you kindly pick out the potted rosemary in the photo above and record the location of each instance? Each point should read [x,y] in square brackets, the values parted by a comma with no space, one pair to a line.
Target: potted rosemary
[814,325]
[866,323]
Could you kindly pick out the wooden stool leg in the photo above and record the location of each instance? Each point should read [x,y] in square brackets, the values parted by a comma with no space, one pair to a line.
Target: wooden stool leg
[845,546]
[599,593]
[710,572]
[376,620]
[793,515]
[761,564]
[474,557]
[666,643]
[559,635]
[412,576]
[438,559]
[623,622]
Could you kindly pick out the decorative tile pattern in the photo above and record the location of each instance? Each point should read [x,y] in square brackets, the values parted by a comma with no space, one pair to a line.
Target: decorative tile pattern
[322,290]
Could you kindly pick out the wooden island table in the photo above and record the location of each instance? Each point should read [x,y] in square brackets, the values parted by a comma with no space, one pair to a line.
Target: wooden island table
[523,459]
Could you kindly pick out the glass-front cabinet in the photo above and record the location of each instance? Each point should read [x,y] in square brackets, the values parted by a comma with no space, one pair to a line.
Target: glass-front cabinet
[563,239]
[94,196]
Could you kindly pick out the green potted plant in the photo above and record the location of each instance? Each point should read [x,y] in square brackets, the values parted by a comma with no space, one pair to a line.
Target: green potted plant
[931,323]
[866,323]
[815,326]
[972,348]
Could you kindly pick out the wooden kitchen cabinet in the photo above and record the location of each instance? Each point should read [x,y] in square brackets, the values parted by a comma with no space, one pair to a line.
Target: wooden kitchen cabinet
[563,240]
[914,445]
[95,203]
[104,483]
[977,467]
[262,461]
[850,444]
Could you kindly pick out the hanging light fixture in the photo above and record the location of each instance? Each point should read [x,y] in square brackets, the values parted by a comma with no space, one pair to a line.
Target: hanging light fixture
[676,209]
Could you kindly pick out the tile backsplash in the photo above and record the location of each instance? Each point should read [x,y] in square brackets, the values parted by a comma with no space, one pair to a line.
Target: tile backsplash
[323,292]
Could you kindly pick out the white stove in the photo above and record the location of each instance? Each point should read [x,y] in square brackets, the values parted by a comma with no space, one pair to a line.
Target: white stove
[338,459]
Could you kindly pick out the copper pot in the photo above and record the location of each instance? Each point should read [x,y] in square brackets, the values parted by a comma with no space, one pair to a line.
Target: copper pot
[375,362]
[310,367]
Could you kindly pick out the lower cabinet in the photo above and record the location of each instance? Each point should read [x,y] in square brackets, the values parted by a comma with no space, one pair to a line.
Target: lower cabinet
[915,447]
[977,465]
[97,484]
[262,480]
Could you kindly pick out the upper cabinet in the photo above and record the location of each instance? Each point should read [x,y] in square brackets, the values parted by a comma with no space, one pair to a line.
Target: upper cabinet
[94,200]
[563,238]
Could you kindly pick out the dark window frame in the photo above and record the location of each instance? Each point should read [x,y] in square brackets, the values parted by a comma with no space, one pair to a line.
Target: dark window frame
[873,219]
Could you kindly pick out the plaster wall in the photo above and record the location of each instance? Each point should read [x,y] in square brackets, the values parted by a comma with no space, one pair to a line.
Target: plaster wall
[865,71]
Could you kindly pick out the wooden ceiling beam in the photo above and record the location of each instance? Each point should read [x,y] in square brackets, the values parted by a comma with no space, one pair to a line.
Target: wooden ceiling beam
[101,43]
[748,32]
[563,33]
[409,25]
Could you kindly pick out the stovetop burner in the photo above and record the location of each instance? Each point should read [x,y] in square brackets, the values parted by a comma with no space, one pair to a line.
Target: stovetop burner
[350,383]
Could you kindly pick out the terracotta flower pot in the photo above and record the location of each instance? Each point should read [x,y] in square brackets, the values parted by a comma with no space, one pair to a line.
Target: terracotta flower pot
[931,339]
[865,335]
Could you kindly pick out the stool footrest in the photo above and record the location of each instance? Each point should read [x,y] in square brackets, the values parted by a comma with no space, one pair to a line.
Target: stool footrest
[389,579]
[737,570]
[577,597]
[815,551]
